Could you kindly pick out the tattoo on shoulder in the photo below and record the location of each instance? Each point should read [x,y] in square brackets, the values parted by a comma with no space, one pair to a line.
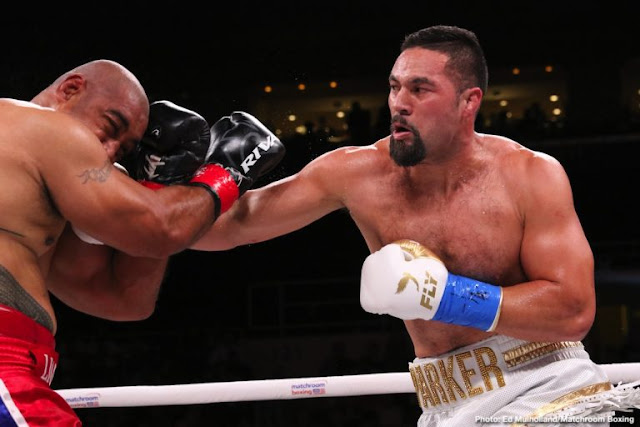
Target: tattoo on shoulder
[13,233]
[99,175]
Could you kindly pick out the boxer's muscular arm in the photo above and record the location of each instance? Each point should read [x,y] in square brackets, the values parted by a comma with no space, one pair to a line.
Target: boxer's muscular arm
[282,206]
[104,282]
[88,191]
[558,303]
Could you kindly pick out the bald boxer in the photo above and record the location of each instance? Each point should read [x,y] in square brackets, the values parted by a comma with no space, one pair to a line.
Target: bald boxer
[475,242]
[74,225]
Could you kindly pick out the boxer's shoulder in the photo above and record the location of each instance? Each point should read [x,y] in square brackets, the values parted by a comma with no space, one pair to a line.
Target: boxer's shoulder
[345,164]
[521,166]
[31,122]
[17,109]
[7,104]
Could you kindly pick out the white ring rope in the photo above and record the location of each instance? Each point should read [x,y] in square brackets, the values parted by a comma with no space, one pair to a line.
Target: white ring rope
[272,389]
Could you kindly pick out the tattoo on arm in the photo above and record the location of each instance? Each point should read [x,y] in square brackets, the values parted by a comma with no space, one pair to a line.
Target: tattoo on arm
[11,232]
[99,175]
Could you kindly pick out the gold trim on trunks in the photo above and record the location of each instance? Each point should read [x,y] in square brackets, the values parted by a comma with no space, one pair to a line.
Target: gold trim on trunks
[567,400]
[534,350]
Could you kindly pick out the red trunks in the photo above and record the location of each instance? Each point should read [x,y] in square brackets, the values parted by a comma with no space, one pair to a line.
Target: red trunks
[27,363]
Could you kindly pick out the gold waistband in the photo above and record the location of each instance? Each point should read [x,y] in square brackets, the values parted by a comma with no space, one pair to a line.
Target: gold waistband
[534,350]
[470,371]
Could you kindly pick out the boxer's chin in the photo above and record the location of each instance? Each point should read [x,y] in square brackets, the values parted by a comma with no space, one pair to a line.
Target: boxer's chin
[407,151]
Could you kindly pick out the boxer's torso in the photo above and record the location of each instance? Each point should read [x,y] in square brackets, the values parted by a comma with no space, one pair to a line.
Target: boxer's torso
[471,219]
[29,222]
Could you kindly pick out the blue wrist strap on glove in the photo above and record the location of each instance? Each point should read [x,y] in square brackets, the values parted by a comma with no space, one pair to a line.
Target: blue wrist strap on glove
[469,302]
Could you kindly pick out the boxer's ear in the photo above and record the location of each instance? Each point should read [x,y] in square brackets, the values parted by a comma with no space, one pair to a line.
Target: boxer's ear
[70,86]
[470,100]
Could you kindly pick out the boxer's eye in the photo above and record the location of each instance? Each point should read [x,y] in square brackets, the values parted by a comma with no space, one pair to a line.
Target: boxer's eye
[111,127]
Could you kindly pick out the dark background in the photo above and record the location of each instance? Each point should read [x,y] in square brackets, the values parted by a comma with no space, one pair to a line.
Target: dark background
[208,55]
[289,307]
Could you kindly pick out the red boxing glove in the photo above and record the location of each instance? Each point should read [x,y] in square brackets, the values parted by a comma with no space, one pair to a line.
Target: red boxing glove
[216,179]
[152,185]
[220,183]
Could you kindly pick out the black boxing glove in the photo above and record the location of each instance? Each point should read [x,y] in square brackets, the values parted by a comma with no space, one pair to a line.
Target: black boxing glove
[245,148]
[173,147]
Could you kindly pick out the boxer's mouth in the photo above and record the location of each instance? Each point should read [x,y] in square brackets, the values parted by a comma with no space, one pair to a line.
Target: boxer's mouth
[401,130]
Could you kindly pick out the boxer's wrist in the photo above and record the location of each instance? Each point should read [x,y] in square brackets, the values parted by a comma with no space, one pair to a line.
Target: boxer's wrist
[408,281]
[220,184]
[468,302]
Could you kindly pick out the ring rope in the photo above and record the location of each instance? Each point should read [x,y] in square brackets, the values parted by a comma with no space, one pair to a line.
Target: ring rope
[271,389]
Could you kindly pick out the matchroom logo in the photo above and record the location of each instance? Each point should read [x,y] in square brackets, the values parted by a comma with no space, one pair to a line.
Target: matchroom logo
[316,388]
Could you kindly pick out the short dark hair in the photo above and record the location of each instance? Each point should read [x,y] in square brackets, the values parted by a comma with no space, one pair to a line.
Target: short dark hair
[466,64]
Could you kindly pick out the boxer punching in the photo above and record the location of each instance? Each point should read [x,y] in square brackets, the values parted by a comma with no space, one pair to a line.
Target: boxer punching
[498,291]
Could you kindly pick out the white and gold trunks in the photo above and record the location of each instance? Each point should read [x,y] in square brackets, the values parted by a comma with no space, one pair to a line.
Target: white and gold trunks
[505,381]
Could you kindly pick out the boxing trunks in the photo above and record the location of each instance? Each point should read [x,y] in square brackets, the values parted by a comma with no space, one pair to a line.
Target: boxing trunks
[27,363]
[509,382]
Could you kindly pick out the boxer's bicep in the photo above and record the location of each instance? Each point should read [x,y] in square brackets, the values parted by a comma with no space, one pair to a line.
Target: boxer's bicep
[82,182]
[556,299]
[554,246]
[102,202]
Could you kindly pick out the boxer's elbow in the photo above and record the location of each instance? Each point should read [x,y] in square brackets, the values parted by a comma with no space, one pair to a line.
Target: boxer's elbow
[132,310]
[135,314]
[121,311]
[581,325]
[140,312]
[578,319]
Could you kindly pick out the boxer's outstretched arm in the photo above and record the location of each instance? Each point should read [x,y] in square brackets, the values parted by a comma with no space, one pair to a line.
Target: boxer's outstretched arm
[104,282]
[282,206]
[558,303]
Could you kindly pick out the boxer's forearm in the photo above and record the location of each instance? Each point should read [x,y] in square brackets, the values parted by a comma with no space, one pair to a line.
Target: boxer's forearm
[277,209]
[122,288]
[546,311]
[103,282]
[135,286]
[225,233]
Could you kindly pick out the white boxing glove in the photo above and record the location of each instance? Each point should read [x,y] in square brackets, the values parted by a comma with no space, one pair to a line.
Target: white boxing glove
[407,281]
[84,236]
[404,280]
[121,168]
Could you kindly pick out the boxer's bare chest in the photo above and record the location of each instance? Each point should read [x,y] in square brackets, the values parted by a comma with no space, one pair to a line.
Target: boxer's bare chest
[475,227]
[28,211]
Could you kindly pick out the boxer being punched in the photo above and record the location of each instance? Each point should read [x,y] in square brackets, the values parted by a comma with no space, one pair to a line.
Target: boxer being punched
[475,242]
[59,187]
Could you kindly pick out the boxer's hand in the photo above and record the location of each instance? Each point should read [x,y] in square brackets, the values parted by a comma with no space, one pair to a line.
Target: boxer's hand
[406,280]
[245,149]
[242,143]
[174,145]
